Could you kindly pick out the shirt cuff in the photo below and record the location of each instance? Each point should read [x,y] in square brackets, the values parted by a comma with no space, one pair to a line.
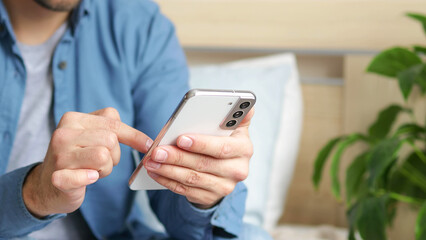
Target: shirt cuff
[229,213]
[19,221]
[194,215]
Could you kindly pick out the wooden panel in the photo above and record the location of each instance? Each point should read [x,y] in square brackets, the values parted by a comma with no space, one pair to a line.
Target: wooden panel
[366,94]
[323,110]
[295,24]
[317,69]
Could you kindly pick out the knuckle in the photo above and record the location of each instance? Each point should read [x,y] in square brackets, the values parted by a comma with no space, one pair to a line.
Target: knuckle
[193,178]
[248,153]
[227,188]
[203,164]
[180,189]
[241,173]
[210,200]
[179,157]
[111,113]
[206,199]
[113,124]
[59,137]
[101,155]
[116,156]
[106,171]
[68,116]
[225,151]
[137,135]
[110,140]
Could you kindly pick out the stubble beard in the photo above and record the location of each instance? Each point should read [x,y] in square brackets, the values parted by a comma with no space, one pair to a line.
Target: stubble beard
[58,5]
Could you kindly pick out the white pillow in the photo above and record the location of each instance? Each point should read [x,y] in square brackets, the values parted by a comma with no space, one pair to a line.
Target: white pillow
[275,128]
[286,148]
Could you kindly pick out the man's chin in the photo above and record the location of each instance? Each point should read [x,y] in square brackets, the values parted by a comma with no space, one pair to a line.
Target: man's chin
[58,5]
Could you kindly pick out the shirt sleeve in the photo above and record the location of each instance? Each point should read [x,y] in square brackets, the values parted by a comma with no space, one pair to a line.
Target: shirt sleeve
[161,82]
[184,221]
[15,219]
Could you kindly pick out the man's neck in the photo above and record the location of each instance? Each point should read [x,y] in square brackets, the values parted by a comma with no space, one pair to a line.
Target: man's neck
[32,23]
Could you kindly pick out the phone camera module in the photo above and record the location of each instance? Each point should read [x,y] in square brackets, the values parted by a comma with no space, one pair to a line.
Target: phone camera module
[238,114]
[231,123]
[244,105]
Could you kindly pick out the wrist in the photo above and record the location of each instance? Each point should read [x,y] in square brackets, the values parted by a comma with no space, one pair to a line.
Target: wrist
[31,193]
[206,206]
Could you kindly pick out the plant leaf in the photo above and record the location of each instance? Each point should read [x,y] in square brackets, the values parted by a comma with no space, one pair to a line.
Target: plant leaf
[383,155]
[420,49]
[354,175]
[384,122]
[321,159]
[408,78]
[351,215]
[410,130]
[334,173]
[419,17]
[421,79]
[421,224]
[410,179]
[371,219]
[392,61]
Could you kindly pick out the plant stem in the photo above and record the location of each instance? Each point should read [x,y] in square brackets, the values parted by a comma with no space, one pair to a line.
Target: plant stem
[401,198]
[412,174]
[417,150]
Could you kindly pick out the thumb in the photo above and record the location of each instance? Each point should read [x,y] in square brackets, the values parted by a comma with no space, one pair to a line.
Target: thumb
[71,179]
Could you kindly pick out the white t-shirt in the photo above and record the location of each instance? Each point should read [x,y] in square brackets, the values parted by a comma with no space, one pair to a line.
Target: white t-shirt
[35,128]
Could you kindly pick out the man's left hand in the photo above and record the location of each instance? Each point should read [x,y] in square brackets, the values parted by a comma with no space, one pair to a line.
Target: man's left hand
[203,168]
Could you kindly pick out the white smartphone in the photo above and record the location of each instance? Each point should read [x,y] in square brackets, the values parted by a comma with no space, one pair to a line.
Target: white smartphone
[210,112]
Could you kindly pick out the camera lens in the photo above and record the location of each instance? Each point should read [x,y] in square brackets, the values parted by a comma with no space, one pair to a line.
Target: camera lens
[244,105]
[238,114]
[231,123]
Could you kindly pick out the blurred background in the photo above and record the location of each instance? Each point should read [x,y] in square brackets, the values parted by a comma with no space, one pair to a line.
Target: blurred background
[331,42]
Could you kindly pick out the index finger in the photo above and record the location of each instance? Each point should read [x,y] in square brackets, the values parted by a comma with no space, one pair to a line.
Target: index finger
[125,134]
[133,138]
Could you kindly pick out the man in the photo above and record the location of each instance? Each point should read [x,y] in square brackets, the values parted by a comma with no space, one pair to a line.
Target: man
[79,77]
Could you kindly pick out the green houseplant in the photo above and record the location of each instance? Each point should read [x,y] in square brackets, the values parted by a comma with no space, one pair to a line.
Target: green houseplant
[381,176]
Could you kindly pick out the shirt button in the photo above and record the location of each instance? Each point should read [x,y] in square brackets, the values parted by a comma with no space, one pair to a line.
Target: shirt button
[62,65]
[6,136]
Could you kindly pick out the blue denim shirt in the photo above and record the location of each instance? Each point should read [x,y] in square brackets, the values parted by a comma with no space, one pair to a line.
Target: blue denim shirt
[122,54]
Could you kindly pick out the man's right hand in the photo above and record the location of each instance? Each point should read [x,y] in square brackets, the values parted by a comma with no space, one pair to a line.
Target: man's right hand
[83,148]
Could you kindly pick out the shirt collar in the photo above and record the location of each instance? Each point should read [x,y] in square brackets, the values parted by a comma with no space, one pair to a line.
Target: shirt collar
[82,10]
[5,25]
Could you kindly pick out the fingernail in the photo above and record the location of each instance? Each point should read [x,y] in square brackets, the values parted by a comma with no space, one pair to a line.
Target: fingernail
[153,175]
[153,165]
[185,142]
[160,155]
[93,175]
[148,144]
